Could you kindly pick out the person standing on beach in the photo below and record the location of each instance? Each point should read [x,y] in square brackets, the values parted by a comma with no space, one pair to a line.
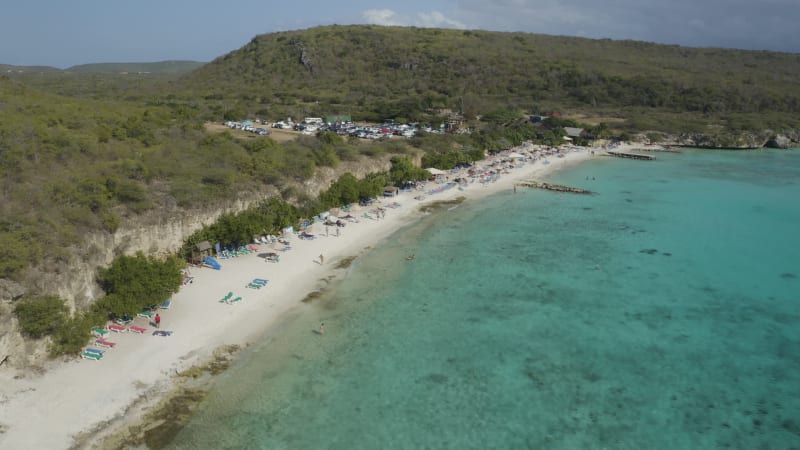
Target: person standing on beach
[158,320]
[322,328]
[321,260]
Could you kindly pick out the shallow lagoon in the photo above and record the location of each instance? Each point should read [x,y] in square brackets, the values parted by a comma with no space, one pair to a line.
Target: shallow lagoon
[661,312]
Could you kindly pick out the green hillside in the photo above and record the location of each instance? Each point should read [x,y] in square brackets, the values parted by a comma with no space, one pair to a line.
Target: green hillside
[86,151]
[71,166]
[375,72]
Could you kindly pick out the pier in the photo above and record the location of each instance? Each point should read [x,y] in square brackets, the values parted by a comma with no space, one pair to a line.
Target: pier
[553,187]
[632,156]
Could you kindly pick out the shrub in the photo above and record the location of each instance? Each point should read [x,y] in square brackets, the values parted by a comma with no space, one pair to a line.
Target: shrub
[74,332]
[42,316]
[133,282]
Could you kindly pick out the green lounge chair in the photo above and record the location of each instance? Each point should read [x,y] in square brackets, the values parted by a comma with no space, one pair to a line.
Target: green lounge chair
[97,331]
[146,314]
[227,298]
[236,300]
[91,355]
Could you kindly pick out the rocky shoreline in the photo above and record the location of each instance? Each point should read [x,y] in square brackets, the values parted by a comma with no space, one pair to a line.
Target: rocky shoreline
[785,139]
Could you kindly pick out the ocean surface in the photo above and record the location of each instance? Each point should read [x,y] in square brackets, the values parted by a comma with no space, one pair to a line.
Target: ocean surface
[661,312]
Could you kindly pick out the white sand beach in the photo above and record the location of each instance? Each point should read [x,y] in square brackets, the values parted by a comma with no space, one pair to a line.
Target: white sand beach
[80,396]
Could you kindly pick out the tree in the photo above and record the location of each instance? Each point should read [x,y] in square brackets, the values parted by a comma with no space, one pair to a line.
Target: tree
[403,169]
[133,282]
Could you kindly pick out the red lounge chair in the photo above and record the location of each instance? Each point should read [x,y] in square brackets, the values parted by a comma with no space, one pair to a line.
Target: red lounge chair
[116,328]
[103,342]
[136,329]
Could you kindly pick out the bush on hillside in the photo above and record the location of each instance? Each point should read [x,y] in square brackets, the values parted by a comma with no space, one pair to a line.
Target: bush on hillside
[40,316]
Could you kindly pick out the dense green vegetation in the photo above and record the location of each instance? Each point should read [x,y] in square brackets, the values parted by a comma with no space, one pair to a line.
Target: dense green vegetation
[374,72]
[134,282]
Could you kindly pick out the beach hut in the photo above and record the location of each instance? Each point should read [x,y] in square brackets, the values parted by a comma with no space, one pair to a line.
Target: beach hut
[201,250]
[436,174]
[391,191]
[434,171]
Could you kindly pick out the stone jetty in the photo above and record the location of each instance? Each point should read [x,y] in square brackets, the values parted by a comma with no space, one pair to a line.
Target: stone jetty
[631,155]
[553,187]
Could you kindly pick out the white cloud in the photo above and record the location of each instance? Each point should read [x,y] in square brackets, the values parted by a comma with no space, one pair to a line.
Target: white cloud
[433,19]
[382,17]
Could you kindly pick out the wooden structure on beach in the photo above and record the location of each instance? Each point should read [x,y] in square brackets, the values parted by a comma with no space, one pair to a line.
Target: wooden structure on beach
[553,187]
[631,155]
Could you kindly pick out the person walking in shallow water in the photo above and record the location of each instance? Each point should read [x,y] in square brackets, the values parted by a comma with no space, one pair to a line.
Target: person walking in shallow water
[322,328]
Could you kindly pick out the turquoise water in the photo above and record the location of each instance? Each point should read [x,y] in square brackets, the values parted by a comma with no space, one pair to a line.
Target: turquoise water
[662,312]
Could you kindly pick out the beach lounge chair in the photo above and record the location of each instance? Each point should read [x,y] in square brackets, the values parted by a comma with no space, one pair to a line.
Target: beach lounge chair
[227,297]
[235,300]
[97,331]
[117,328]
[166,304]
[146,314]
[258,283]
[125,320]
[164,333]
[94,350]
[92,356]
[103,342]
[136,329]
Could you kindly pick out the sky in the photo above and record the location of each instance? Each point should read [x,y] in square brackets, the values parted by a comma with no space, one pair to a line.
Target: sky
[63,33]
